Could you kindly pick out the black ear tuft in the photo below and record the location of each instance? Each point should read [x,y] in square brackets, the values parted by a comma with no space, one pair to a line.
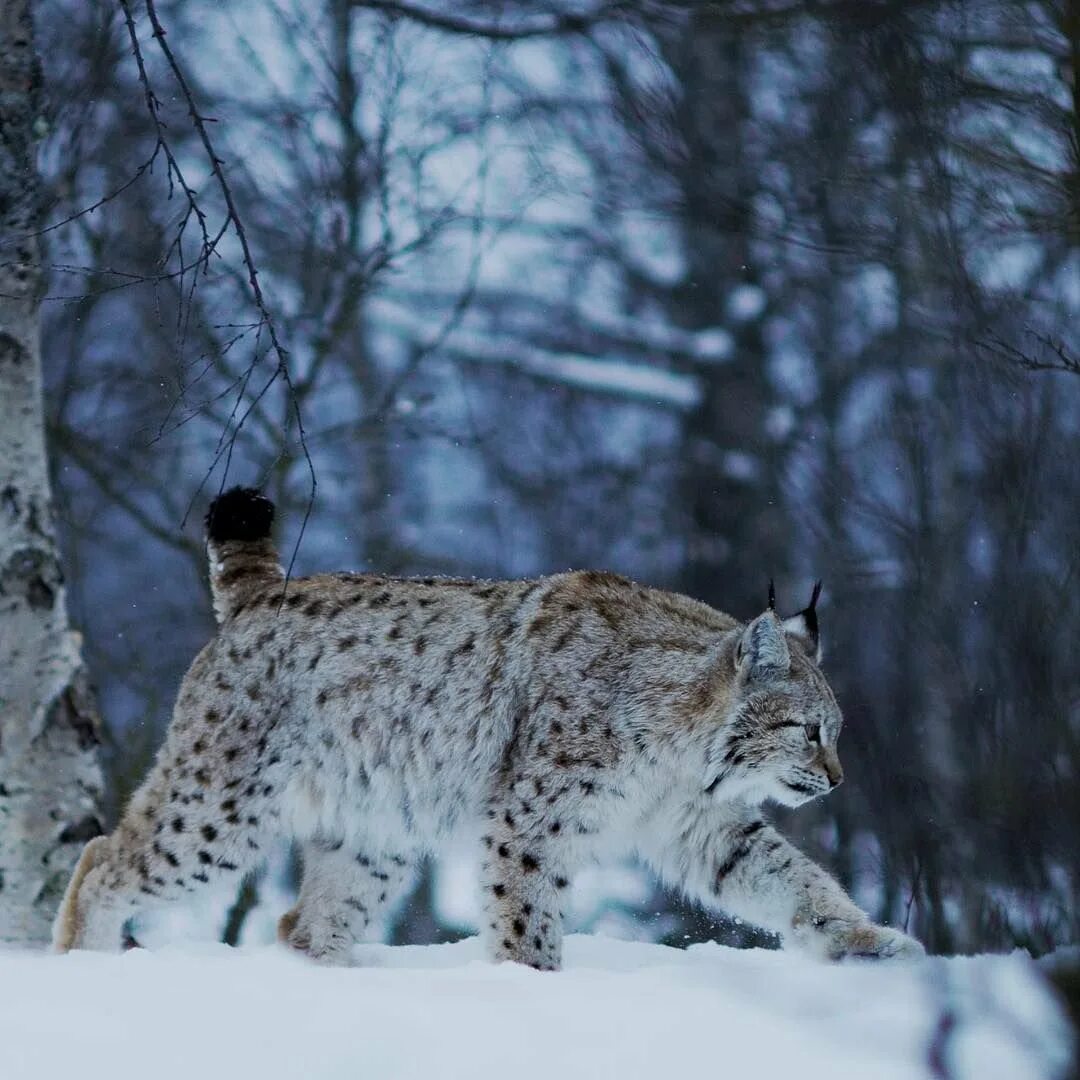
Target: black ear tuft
[810,615]
[243,514]
[804,625]
[772,595]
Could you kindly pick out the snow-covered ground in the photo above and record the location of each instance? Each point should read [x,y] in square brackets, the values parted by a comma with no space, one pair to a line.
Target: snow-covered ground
[620,1009]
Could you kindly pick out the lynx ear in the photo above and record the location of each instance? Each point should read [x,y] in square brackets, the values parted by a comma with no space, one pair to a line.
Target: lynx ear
[762,651]
[804,626]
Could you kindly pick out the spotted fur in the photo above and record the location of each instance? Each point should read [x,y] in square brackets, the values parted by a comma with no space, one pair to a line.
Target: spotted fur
[556,720]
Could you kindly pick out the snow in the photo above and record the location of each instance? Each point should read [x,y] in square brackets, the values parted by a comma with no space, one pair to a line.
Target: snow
[714,344]
[640,381]
[746,302]
[619,1009]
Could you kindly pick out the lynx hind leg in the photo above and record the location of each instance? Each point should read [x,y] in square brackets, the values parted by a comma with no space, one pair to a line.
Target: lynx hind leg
[172,841]
[524,880]
[69,927]
[342,894]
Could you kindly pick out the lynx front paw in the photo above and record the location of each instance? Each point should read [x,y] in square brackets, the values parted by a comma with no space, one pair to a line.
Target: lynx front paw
[880,943]
[840,939]
[871,942]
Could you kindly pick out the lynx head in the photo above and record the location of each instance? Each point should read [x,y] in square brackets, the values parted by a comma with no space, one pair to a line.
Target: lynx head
[779,738]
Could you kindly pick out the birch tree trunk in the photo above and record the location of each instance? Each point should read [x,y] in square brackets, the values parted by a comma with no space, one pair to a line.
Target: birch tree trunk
[50,777]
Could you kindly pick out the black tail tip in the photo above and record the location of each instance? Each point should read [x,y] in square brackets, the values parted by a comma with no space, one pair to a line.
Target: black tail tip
[239,514]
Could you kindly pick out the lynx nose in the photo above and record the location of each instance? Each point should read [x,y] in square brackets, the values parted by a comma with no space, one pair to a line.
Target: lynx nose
[836,777]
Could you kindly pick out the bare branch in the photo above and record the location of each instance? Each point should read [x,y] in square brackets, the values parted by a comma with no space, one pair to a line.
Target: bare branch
[96,205]
[558,25]
[233,219]
[1054,356]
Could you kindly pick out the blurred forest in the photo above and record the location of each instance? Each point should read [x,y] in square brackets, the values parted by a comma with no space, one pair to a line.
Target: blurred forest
[704,293]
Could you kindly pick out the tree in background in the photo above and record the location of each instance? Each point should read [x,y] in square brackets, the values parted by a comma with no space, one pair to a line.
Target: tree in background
[50,778]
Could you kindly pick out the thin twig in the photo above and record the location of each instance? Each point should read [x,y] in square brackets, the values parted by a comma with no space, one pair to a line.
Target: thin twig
[132,180]
[233,219]
[1061,360]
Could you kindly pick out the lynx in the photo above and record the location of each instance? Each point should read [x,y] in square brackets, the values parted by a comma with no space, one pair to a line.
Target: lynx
[555,720]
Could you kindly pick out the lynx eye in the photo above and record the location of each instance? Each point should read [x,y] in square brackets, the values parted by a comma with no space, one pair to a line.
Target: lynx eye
[813,733]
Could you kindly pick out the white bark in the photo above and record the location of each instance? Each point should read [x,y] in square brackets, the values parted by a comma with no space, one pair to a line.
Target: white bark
[50,777]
